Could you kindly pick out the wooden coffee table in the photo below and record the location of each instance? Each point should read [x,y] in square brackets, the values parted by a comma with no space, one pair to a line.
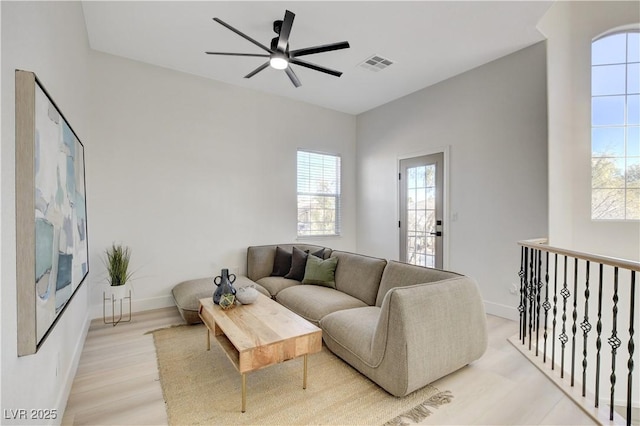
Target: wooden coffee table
[260,334]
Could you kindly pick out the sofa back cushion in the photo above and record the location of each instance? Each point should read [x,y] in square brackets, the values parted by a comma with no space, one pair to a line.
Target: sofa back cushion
[260,258]
[398,274]
[359,275]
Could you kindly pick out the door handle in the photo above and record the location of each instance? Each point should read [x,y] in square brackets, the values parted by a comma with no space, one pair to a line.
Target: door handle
[437,234]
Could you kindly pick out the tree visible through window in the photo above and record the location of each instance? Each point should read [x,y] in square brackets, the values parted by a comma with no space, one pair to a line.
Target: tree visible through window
[615,127]
[318,194]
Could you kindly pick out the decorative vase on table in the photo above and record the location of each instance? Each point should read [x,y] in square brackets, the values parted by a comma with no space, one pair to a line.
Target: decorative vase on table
[225,285]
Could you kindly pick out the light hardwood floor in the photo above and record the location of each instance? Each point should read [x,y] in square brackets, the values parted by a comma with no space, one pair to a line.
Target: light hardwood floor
[117,381]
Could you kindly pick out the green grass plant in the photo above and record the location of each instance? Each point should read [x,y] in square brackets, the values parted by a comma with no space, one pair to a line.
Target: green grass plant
[117,263]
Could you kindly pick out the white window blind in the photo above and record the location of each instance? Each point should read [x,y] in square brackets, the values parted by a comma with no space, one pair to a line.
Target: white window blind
[318,194]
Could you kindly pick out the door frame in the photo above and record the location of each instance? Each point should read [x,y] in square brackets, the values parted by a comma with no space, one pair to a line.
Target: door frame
[445,150]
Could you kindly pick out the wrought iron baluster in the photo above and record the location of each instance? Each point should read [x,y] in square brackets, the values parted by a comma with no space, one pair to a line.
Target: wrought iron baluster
[538,290]
[546,305]
[525,296]
[565,293]
[555,311]
[630,346]
[521,274]
[598,339]
[531,294]
[586,328]
[574,327]
[614,341]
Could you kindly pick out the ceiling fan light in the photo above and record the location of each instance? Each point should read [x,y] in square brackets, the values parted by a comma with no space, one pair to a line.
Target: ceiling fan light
[278,63]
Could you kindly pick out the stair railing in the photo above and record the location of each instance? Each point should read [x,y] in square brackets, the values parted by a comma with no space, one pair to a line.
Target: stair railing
[562,291]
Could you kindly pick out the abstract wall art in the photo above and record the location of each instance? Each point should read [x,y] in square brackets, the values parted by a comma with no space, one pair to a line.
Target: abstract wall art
[51,213]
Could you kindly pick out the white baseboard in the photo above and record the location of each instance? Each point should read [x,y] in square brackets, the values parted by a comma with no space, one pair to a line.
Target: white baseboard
[500,310]
[138,305]
[63,396]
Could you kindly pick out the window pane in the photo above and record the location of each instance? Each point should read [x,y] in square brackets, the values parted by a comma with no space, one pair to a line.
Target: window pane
[607,142]
[421,221]
[608,80]
[633,78]
[411,220]
[633,204]
[607,110]
[431,198]
[633,109]
[411,198]
[633,47]
[609,50]
[633,173]
[607,204]
[420,177]
[430,249]
[607,172]
[421,202]
[411,177]
[633,141]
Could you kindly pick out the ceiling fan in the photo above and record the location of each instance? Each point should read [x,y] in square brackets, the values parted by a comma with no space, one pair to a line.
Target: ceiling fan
[280,57]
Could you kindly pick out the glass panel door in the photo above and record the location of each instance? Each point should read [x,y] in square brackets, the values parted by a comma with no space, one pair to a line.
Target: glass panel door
[421,200]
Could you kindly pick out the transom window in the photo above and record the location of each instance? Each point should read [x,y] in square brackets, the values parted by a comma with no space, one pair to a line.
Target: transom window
[318,194]
[615,127]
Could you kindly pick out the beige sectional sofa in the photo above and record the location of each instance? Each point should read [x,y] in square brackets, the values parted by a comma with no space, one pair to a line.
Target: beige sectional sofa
[403,326]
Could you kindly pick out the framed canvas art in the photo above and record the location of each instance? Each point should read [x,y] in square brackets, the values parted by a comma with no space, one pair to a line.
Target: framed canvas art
[52,249]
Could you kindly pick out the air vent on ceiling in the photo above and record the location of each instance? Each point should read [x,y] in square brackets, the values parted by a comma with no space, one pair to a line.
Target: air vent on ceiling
[376,63]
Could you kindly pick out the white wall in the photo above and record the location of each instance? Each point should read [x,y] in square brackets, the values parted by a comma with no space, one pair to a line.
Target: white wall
[570,28]
[188,172]
[50,40]
[493,119]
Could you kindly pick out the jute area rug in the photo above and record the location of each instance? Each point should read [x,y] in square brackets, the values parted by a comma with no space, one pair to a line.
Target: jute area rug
[202,387]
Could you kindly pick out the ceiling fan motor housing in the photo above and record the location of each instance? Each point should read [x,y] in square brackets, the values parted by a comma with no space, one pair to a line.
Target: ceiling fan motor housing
[277,26]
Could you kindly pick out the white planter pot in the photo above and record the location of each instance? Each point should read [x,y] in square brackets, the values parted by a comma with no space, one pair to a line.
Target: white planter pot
[119,291]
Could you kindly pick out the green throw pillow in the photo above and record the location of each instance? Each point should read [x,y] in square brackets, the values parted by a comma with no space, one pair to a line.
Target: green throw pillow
[320,272]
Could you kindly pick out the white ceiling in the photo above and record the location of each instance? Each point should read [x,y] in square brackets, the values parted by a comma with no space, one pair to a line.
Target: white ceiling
[428,41]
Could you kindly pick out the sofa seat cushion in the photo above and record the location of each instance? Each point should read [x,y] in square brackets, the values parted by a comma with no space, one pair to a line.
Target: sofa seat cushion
[314,302]
[187,295]
[353,330]
[276,284]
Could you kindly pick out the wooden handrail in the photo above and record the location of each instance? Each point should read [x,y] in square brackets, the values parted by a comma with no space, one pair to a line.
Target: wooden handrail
[541,244]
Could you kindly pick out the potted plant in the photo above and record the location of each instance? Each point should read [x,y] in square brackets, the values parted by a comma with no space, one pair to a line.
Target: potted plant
[117,263]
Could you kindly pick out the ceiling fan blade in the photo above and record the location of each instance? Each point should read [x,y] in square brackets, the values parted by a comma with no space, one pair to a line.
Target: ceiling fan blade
[315,67]
[238,54]
[243,35]
[319,49]
[293,77]
[285,30]
[257,70]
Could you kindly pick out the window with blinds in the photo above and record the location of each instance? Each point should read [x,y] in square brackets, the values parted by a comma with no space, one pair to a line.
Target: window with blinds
[318,194]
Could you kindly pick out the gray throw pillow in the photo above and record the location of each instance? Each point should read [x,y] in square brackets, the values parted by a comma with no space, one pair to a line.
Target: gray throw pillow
[299,263]
[282,263]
